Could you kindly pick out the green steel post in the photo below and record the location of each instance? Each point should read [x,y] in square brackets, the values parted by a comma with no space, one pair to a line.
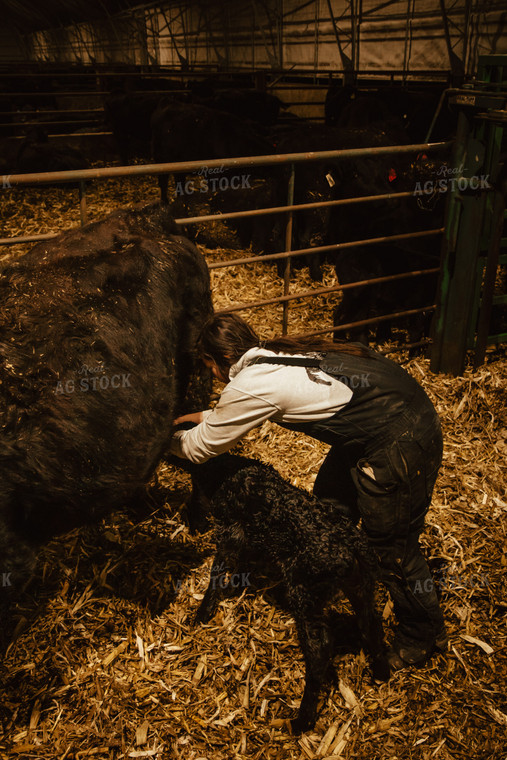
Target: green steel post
[489,279]
[463,302]
[452,219]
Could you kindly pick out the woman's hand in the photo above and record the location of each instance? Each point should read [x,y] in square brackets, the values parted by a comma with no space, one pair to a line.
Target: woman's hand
[194,417]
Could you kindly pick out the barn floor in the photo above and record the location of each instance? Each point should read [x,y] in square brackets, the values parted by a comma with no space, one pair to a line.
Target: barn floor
[107,664]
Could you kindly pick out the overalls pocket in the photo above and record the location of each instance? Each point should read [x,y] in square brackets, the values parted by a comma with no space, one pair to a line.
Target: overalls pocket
[379,494]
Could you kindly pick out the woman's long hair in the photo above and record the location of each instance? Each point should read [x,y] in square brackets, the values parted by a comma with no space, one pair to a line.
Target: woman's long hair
[226,337]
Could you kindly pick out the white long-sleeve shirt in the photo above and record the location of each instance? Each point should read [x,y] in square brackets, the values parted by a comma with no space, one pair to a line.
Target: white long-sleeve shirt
[259,392]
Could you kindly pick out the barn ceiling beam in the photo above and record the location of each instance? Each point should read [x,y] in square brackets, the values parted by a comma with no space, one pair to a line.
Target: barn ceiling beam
[86,44]
[371,11]
[408,38]
[276,61]
[168,25]
[347,63]
[293,11]
[357,17]
[429,15]
[162,11]
[208,23]
[457,65]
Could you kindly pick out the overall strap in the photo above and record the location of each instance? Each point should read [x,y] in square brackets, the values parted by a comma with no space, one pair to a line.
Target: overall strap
[291,361]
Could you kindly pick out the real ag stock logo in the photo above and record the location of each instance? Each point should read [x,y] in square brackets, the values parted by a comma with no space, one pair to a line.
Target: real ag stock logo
[92,378]
[208,181]
[447,178]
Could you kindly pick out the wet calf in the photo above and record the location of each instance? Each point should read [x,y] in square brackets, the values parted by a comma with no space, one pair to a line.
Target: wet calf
[316,551]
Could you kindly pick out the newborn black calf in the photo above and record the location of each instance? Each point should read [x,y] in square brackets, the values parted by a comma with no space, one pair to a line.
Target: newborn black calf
[317,551]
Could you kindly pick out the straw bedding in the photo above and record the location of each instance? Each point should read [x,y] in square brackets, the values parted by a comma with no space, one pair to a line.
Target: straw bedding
[106,664]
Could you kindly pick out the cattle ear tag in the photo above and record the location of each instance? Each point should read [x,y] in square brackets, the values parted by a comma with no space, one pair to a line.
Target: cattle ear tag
[368,471]
[330,180]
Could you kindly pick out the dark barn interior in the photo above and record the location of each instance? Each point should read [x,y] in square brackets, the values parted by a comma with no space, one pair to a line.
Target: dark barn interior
[329,168]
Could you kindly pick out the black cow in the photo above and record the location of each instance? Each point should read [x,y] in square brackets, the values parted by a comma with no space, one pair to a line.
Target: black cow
[37,154]
[190,132]
[128,114]
[331,179]
[368,175]
[253,105]
[21,98]
[259,191]
[97,344]
[348,106]
[386,218]
[411,109]
[7,117]
[312,184]
[150,84]
[371,301]
[420,108]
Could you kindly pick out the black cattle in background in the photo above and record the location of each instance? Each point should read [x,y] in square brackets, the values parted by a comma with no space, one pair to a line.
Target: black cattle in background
[312,184]
[348,107]
[498,320]
[191,132]
[8,151]
[128,115]
[339,179]
[371,301]
[259,192]
[7,116]
[200,89]
[329,180]
[23,100]
[421,108]
[420,212]
[410,109]
[146,84]
[254,105]
[37,154]
[351,107]
[97,356]
[338,95]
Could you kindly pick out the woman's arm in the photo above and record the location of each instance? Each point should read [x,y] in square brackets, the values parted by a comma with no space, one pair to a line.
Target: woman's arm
[235,414]
[196,417]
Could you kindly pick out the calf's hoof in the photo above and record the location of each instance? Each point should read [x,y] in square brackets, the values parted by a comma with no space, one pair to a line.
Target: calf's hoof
[198,525]
[381,670]
[301,724]
[202,616]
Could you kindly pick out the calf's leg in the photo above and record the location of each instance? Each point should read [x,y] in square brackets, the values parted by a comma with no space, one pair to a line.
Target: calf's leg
[359,589]
[315,641]
[224,564]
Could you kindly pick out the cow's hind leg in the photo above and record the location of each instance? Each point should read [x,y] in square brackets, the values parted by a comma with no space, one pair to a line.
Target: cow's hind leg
[17,562]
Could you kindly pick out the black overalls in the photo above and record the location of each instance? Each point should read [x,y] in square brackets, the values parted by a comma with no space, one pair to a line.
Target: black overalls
[386,449]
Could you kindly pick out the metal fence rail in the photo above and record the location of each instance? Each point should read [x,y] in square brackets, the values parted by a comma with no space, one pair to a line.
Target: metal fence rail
[83,175]
[325,249]
[65,134]
[227,163]
[335,289]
